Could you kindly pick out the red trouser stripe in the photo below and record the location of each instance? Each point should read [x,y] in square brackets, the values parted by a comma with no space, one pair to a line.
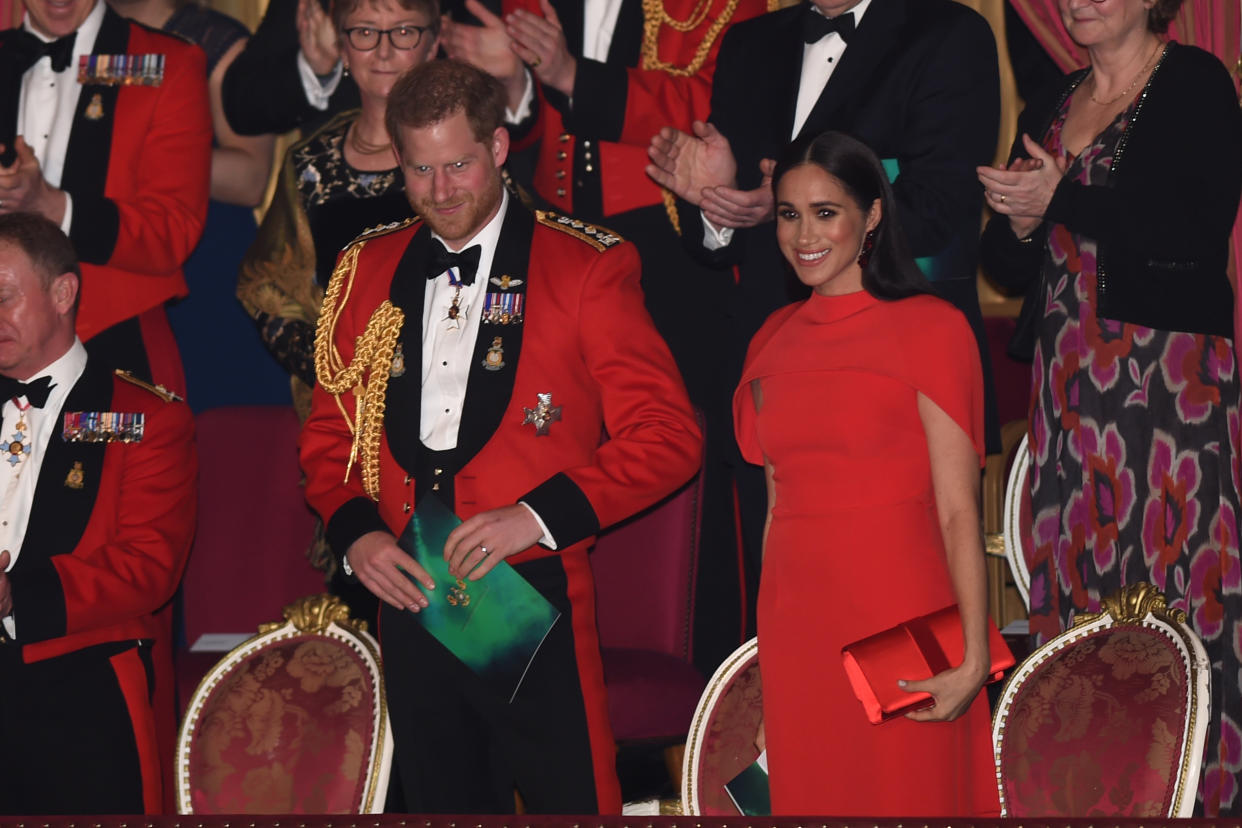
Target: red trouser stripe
[581,590]
[131,675]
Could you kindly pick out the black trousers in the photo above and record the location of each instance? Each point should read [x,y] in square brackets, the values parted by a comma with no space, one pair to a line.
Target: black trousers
[66,733]
[462,747]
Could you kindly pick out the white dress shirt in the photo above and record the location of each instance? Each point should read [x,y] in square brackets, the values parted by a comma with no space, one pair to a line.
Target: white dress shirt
[819,61]
[49,100]
[448,347]
[17,482]
[448,344]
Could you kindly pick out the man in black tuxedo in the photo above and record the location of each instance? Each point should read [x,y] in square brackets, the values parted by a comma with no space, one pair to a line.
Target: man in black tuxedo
[916,80]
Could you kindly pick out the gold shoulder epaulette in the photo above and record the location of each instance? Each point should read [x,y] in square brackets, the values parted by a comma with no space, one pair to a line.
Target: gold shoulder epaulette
[158,390]
[382,230]
[601,238]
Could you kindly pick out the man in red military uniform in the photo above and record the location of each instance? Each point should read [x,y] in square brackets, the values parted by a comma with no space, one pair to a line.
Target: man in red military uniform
[493,350]
[106,131]
[607,76]
[97,498]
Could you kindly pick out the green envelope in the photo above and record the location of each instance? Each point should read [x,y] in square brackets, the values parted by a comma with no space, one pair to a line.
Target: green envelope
[749,789]
[496,624]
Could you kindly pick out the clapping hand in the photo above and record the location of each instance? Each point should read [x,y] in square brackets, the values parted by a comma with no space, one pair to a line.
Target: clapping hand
[24,189]
[317,37]
[486,47]
[540,43]
[1024,189]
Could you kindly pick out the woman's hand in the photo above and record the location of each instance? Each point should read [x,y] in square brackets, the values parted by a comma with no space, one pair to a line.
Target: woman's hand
[1024,189]
[953,691]
[761,740]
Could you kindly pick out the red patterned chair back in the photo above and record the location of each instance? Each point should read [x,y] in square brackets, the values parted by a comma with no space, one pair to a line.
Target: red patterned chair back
[292,721]
[1109,718]
[721,743]
[1017,526]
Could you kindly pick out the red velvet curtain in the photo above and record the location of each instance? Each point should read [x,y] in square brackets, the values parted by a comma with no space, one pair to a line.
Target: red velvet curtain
[1214,25]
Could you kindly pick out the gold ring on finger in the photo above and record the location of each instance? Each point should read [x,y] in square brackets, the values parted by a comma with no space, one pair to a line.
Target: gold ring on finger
[538,60]
[1002,198]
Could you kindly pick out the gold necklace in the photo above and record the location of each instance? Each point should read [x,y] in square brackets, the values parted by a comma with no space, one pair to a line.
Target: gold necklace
[363,146]
[1141,72]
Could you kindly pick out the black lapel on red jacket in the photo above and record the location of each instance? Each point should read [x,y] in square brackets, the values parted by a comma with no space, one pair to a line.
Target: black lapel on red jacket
[403,408]
[90,141]
[488,392]
[61,511]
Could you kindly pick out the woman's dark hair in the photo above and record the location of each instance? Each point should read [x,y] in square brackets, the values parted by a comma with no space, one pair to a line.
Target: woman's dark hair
[890,272]
[1161,14]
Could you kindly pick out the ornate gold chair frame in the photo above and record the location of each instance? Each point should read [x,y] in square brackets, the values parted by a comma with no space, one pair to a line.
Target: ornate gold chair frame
[721,682]
[314,615]
[1143,605]
[1016,488]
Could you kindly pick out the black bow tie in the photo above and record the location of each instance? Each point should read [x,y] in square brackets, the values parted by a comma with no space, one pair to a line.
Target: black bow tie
[32,48]
[36,391]
[466,262]
[815,26]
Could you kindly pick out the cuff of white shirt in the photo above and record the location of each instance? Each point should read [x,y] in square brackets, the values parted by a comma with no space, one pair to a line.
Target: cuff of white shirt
[67,221]
[715,237]
[546,539]
[523,112]
[10,626]
[318,91]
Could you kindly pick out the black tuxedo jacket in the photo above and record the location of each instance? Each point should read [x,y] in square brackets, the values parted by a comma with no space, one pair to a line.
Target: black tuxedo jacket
[919,84]
[262,90]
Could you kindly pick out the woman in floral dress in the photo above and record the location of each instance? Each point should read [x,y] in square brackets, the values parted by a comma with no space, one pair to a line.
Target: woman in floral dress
[1117,223]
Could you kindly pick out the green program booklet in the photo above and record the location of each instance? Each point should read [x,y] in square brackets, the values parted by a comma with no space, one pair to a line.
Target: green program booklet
[749,789]
[496,624]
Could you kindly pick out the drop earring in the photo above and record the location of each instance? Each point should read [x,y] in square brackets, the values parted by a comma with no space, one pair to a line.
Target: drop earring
[868,245]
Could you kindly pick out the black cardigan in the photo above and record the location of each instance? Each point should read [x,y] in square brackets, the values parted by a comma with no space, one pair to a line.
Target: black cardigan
[1163,221]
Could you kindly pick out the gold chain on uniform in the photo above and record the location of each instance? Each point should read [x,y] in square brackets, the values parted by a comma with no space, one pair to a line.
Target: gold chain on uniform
[373,353]
[656,16]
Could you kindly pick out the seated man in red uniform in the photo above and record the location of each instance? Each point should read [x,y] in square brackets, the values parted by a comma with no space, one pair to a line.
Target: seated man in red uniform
[97,496]
[105,130]
[502,361]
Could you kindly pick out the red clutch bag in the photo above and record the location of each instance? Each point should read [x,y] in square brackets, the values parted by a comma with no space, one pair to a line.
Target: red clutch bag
[915,650]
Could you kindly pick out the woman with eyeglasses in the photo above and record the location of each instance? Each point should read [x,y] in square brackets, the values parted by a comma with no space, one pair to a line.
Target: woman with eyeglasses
[336,183]
[1114,214]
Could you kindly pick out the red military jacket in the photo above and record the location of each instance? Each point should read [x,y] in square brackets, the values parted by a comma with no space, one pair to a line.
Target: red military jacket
[603,136]
[138,168]
[625,435]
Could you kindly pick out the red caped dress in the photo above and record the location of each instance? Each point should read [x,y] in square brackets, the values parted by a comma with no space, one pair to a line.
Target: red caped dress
[854,547]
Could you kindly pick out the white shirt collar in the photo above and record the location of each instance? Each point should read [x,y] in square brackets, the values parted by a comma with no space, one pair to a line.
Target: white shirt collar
[84,44]
[858,11]
[66,369]
[487,238]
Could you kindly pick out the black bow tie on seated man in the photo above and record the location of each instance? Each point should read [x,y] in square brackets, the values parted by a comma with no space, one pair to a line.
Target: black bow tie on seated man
[815,27]
[466,262]
[36,391]
[27,49]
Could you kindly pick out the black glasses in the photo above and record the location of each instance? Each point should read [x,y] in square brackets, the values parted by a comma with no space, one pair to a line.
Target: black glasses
[365,38]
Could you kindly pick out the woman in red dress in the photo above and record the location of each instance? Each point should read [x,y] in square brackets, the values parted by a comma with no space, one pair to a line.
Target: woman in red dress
[864,403]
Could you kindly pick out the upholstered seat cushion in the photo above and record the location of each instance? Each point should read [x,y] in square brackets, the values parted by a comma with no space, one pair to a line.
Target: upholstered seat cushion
[636,679]
[1097,730]
[287,731]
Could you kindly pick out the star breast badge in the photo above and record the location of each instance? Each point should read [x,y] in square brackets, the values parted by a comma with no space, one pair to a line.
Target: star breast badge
[542,415]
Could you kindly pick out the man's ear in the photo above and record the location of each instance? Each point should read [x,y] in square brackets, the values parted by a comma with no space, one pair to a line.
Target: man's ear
[500,146]
[64,292]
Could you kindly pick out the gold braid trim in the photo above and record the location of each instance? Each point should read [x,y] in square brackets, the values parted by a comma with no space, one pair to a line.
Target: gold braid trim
[655,16]
[373,353]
